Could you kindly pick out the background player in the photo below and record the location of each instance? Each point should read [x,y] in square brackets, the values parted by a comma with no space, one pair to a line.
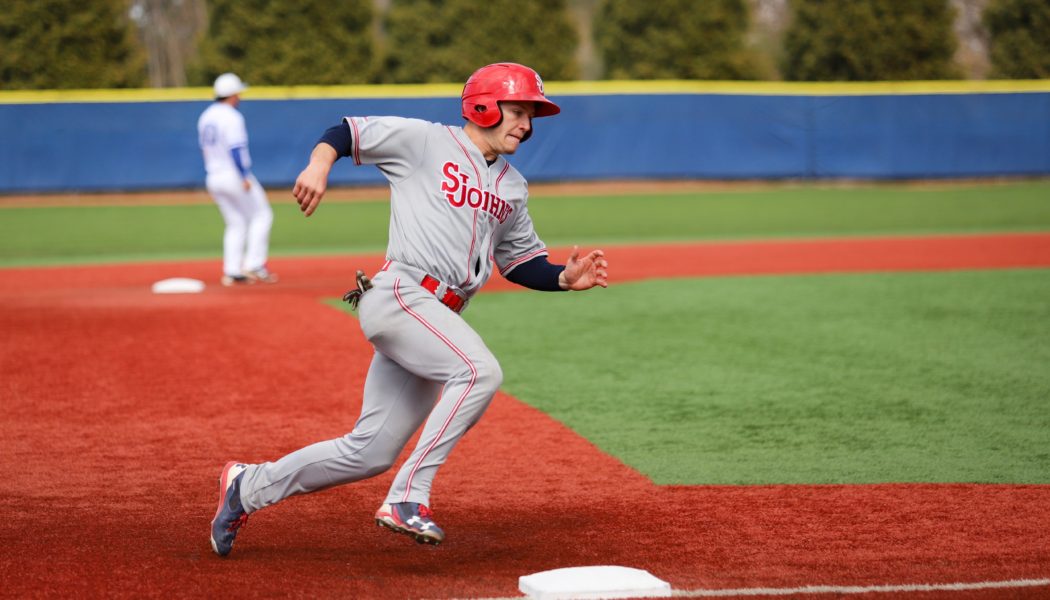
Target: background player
[457,207]
[241,199]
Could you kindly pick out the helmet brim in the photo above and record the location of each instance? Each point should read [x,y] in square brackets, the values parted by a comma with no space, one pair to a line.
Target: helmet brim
[544,107]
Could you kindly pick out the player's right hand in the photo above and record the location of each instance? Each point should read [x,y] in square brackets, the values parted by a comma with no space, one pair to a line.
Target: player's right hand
[311,184]
[309,189]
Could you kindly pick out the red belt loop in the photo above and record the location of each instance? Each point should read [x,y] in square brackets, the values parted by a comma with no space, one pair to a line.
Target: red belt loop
[450,299]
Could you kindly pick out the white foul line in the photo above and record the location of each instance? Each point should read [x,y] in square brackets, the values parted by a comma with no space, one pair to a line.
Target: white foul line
[851,589]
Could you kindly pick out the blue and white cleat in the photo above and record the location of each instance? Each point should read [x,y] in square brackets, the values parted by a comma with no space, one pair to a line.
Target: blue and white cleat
[412,519]
[230,515]
[261,275]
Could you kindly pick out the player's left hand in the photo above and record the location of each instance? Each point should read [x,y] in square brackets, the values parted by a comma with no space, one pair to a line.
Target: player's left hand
[586,272]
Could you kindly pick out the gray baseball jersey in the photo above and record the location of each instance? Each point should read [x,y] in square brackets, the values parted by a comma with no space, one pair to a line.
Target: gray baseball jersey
[451,216]
[450,212]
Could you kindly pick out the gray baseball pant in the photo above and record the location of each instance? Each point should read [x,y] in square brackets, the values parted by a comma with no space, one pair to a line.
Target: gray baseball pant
[429,365]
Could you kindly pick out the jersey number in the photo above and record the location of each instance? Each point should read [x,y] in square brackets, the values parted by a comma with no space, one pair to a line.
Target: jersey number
[208,135]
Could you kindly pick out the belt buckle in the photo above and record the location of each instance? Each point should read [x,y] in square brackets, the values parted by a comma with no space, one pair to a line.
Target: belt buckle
[450,298]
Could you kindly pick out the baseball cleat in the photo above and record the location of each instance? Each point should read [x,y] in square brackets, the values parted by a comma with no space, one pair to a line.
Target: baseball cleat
[230,515]
[262,276]
[412,519]
[232,280]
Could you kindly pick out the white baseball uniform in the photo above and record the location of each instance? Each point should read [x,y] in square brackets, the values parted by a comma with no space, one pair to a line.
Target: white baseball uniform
[247,213]
[452,216]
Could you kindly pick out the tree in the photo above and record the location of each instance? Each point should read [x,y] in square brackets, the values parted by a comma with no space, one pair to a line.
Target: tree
[432,41]
[1019,32]
[287,42]
[870,41]
[169,30]
[65,44]
[675,39]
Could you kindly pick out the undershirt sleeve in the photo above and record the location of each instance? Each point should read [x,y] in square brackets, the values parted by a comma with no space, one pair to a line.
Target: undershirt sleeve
[339,138]
[238,159]
[537,274]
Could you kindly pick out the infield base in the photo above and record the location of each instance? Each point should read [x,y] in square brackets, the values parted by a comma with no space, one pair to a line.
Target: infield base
[178,285]
[575,583]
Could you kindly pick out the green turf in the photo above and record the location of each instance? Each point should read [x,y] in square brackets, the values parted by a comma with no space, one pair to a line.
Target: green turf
[125,233]
[806,379]
[52,235]
[799,211]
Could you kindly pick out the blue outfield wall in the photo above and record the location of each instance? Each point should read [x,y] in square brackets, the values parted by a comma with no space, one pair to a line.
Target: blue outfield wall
[62,146]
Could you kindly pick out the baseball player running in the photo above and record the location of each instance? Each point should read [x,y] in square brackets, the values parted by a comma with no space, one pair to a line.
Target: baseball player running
[458,209]
[241,199]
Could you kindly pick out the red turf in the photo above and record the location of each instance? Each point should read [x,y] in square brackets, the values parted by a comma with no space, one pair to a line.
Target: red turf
[121,407]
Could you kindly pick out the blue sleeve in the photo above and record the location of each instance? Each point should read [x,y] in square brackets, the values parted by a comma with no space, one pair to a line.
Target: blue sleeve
[238,159]
[338,137]
[537,274]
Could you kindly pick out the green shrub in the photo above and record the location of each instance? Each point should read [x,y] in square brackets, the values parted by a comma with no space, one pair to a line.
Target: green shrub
[674,39]
[287,42]
[433,41]
[67,44]
[875,40]
[1019,36]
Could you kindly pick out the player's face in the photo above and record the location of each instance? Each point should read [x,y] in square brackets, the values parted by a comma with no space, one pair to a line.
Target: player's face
[517,121]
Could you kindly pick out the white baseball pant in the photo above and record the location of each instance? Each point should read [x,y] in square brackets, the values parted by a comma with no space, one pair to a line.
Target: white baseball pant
[248,217]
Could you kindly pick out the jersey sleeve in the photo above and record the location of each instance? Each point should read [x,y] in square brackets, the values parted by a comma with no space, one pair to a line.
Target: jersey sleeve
[394,144]
[520,243]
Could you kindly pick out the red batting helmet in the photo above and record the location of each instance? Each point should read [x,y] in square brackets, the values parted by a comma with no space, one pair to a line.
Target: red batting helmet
[500,82]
